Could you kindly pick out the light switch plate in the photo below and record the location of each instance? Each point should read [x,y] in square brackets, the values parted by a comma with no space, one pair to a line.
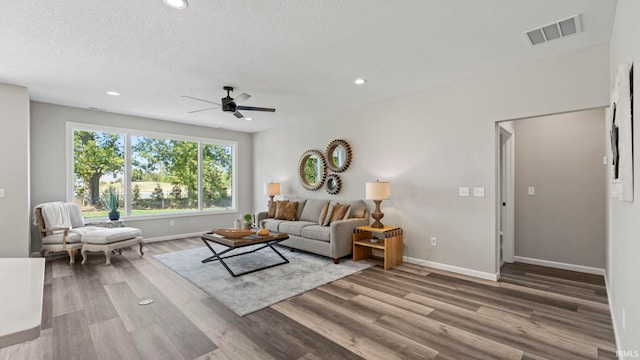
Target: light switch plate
[478,191]
[531,191]
[463,191]
[1,193]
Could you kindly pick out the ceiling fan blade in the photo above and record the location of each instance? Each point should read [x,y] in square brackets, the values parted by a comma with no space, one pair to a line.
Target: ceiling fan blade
[195,111]
[253,108]
[240,98]
[194,98]
[238,115]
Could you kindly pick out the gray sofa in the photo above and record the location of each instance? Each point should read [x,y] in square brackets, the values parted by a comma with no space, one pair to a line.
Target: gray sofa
[307,234]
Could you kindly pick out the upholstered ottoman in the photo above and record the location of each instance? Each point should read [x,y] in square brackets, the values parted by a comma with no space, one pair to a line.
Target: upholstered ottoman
[108,239]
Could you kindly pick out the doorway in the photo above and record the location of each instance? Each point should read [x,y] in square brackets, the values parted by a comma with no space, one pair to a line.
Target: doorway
[506,194]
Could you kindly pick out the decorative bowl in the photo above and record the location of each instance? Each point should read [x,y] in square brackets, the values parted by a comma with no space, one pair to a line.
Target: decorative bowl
[233,233]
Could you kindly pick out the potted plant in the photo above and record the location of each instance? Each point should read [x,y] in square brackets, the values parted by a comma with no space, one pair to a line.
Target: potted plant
[248,221]
[111,201]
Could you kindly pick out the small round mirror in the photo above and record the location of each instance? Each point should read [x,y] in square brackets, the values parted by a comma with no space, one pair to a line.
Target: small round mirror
[338,155]
[312,170]
[333,184]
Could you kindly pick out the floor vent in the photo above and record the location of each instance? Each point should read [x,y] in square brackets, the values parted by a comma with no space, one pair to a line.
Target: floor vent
[554,31]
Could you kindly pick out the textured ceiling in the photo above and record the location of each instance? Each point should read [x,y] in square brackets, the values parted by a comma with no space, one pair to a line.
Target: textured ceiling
[299,56]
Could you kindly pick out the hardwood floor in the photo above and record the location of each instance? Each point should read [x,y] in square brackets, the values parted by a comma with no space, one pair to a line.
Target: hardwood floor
[409,312]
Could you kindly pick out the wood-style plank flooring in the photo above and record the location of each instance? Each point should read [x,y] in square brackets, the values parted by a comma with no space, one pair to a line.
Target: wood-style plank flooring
[409,312]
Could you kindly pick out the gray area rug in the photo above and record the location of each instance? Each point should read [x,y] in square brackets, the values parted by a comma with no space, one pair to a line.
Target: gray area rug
[248,293]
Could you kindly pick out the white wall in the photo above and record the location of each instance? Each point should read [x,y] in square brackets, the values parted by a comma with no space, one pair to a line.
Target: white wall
[48,180]
[430,143]
[14,167]
[561,157]
[623,242]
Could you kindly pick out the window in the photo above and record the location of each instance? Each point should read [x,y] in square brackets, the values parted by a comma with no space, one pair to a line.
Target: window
[98,163]
[156,174]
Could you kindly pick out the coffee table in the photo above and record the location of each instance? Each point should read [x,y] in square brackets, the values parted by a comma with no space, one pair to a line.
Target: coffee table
[235,243]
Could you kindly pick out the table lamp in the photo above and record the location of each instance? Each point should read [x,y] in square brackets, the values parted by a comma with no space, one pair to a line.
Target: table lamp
[377,191]
[271,189]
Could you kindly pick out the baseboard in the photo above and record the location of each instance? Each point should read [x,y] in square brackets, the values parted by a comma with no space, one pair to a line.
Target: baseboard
[613,318]
[451,268]
[171,237]
[559,265]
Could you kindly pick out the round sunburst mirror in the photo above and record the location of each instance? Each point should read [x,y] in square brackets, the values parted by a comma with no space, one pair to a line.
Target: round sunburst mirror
[333,184]
[312,170]
[338,155]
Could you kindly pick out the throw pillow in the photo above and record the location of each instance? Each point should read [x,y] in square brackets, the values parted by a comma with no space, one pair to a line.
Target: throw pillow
[347,213]
[286,210]
[327,219]
[339,212]
[323,214]
[271,212]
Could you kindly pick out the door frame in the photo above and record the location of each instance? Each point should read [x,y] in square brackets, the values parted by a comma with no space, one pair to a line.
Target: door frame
[505,142]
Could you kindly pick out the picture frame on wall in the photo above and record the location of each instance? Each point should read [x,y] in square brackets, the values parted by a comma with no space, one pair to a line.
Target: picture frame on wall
[620,126]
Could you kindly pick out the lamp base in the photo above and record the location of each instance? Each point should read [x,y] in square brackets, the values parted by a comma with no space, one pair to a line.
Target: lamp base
[377,215]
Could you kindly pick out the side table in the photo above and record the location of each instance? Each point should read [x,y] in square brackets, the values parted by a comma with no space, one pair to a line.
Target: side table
[390,244]
[106,223]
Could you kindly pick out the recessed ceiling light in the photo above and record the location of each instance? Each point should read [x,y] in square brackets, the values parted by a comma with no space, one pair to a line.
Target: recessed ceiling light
[176,4]
[248,118]
[113,93]
[359,81]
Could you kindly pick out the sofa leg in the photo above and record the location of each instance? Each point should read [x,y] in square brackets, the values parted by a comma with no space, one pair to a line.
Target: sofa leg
[292,249]
[336,261]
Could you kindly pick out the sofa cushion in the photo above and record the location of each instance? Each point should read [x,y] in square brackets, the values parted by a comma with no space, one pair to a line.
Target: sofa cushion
[358,209]
[286,210]
[272,224]
[72,238]
[85,230]
[301,204]
[313,209]
[110,235]
[317,232]
[294,227]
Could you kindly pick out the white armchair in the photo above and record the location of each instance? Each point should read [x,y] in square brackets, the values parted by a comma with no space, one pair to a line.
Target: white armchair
[62,228]
[54,224]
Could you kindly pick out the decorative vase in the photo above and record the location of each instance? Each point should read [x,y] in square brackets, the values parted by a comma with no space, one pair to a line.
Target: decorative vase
[114,215]
[263,231]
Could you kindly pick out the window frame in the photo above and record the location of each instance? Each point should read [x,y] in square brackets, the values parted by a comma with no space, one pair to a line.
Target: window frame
[127,133]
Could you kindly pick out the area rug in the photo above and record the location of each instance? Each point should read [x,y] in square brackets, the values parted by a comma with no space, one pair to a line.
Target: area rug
[248,293]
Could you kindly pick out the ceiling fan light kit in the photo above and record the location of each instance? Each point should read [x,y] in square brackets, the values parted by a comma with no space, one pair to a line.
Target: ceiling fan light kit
[229,104]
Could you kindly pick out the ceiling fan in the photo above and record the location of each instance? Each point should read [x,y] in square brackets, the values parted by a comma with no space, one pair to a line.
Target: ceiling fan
[229,104]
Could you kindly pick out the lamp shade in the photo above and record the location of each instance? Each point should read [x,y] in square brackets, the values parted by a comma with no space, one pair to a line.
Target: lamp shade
[272,189]
[379,190]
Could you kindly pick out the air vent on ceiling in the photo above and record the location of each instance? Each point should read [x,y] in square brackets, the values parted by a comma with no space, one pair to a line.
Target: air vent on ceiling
[554,31]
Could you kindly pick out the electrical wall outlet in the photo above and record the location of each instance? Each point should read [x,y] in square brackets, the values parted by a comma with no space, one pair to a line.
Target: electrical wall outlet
[1,192]
[434,241]
[478,191]
[531,190]
[463,191]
